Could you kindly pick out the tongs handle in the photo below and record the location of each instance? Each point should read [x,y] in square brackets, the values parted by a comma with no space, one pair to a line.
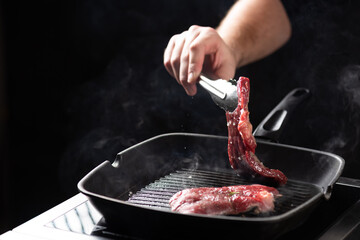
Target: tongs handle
[222,92]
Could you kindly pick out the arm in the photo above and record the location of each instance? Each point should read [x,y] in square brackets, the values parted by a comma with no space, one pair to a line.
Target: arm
[251,30]
[254,29]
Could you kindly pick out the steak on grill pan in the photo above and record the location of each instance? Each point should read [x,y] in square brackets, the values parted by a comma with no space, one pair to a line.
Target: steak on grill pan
[225,200]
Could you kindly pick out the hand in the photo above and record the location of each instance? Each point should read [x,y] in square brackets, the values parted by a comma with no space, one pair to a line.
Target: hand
[198,50]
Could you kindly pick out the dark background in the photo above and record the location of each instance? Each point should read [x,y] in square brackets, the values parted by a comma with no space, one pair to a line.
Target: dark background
[83,80]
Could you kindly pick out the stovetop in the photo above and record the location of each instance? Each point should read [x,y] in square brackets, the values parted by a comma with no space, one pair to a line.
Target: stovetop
[76,218]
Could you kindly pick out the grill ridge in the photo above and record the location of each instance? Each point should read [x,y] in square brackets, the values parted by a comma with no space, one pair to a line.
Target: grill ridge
[158,193]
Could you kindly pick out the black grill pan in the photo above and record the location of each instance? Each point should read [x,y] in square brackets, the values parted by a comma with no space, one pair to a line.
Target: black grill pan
[114,188]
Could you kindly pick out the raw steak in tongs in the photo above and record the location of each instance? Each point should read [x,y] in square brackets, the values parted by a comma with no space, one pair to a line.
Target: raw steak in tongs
[242,144]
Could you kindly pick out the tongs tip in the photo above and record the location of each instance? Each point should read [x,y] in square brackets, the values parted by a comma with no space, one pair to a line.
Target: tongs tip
[223,92]
[233,81]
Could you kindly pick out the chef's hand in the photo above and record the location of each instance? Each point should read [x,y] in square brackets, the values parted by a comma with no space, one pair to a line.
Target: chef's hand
[198,50]
[251,30]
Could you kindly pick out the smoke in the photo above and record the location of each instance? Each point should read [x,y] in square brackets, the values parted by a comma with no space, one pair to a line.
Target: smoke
[337,128]
[349,87]
[350,84]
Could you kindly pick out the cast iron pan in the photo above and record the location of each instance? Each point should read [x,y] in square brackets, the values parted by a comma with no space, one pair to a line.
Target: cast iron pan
[133,191]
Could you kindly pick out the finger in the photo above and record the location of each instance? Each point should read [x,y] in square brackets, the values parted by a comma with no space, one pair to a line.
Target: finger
[196,61]
[192,34]
[167,55]
[190,89]
[175,58]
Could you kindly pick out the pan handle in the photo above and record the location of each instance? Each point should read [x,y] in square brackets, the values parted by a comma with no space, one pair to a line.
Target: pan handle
[271,127]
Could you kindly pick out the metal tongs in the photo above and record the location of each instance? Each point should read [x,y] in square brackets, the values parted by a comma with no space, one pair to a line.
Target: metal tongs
[222,92]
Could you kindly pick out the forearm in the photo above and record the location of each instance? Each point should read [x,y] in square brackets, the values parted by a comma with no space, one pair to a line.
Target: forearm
[254,29]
